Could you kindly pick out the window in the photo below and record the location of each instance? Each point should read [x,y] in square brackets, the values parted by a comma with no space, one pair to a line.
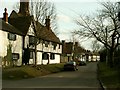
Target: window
[59,46]
[31,55]
[31,40]
[46,44]
[15,56]
[11,36]
[52,56]
[45,56]
[54,45]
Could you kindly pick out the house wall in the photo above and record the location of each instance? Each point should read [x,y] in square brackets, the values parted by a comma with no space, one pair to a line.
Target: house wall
[26,43]
[50,49]
[94,58]
[16,45]
[30,32]
[42,48]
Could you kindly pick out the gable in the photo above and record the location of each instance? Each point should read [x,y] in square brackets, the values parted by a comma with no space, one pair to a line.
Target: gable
[21,23]
[31,30]
[13,14]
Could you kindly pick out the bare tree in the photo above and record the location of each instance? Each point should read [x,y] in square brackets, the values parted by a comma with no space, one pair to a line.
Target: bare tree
[104,27]
[40,9]
[96,47]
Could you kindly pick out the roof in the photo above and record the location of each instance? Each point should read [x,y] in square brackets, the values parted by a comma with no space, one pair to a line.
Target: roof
[23,23]
[44,33]
[20,22]
[9,28]
[68,48]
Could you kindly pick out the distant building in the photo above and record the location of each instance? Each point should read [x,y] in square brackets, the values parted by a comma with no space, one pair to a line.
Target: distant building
[72,51]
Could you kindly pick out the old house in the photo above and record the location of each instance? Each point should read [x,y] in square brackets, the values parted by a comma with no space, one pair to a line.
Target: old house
[11,42]
[72,51]
[40,44]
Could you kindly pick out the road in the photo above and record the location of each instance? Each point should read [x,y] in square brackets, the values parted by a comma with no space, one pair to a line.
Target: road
[85,77]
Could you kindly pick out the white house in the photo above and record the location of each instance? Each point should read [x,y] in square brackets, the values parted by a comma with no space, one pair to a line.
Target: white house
[10,37]
[40,44]
[49,49]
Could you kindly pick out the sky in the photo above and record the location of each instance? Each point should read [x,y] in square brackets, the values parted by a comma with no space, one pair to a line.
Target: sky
[67,12]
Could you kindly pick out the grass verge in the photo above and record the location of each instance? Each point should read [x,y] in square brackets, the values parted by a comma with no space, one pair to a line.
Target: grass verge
[109,76]
[28,71]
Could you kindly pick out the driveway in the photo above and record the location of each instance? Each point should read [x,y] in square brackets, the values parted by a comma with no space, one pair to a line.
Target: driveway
[85,77]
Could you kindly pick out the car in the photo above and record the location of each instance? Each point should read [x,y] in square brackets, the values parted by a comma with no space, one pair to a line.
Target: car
[82,63]
[71,65]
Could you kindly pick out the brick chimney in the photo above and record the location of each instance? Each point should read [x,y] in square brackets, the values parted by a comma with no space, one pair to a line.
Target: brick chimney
[5,15]
[47,22]
[24,8]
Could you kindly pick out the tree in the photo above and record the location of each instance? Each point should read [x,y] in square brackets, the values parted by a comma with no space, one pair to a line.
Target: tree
[96,47]
[40,9]
[104,27]
[9,54]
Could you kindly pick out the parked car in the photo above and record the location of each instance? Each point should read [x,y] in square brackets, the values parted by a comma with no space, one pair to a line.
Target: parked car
[82,63]
[71,65]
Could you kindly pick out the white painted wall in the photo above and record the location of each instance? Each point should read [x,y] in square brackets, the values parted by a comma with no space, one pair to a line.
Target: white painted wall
[16,45]
[39,57]
[41,47]
[56,60]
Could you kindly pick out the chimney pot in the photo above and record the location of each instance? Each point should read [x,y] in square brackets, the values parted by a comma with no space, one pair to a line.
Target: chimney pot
[5,15]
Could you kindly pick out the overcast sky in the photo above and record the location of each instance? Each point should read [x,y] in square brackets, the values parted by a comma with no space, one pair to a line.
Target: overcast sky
[67,11]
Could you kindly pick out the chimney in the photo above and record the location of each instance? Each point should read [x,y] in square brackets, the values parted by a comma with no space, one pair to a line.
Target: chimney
[24,8]
[5,15]
[47,22]
[63,41]
[76,44]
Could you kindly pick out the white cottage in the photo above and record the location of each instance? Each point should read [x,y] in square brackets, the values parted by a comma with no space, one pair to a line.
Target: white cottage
[49,48]
[10,37]
[40,44]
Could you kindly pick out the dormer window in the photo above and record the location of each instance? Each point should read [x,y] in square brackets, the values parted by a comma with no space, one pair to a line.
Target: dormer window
[11,36]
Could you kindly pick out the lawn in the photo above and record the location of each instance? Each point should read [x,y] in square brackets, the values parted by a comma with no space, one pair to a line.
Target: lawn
[29,71]
[109,76]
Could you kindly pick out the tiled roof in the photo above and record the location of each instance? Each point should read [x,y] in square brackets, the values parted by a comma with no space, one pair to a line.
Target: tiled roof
[44,33]
[68,48]
[9,28]
[23,23]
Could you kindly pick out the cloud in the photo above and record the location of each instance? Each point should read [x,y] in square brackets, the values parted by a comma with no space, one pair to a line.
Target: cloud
[63,18]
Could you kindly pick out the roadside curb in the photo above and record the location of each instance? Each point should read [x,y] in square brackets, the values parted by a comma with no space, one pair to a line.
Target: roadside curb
[101,84]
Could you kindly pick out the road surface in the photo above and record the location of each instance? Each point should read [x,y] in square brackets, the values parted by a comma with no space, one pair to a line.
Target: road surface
[85,77]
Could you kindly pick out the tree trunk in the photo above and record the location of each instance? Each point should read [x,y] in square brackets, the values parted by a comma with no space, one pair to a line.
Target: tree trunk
[111,58]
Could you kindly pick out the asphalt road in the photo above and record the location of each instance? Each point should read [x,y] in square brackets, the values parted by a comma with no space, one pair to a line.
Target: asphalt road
[84,78]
